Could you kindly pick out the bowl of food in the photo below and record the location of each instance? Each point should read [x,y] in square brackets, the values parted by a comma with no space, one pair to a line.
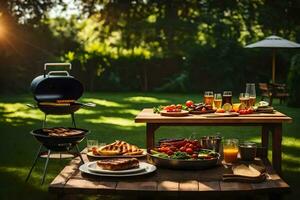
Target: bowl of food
[183,154]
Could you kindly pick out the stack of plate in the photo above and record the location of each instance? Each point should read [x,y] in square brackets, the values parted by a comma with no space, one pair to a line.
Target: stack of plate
[93,169]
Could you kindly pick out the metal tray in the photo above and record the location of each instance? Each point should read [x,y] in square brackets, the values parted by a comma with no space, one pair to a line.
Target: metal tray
[182,164]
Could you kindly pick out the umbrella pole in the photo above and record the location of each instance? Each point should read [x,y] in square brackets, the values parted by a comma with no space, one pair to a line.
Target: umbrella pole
[273,65]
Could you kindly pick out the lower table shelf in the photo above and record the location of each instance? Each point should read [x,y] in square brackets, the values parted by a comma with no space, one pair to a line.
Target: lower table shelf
[162,182]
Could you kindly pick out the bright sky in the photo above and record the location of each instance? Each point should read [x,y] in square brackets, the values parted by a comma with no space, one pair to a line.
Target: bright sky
[73,8]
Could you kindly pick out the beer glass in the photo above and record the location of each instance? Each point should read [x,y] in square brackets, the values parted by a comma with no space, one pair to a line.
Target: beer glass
[250,89]
[227,97]
[208,98]
[218,100]
[244,98]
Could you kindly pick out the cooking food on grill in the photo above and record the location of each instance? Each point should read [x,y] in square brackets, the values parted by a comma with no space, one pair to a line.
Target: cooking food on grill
[62,132]
[118,148]
[118,164]
[53,104]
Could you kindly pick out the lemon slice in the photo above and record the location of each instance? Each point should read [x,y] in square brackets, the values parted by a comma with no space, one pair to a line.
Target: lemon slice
[238,106]
[227,107]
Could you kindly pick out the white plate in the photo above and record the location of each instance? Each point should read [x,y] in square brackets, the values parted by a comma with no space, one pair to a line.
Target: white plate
[92,166]
[148,169]
[117,156]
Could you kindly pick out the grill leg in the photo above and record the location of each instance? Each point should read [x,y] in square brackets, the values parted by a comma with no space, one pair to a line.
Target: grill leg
[73,120]
[34,163]
[45,121]
[46,166]
[79,154]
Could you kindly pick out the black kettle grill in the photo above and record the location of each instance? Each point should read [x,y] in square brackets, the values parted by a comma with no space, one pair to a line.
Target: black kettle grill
[56,93]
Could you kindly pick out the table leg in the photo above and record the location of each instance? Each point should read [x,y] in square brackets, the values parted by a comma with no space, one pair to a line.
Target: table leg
[150,131]
[265,140]
[276,147]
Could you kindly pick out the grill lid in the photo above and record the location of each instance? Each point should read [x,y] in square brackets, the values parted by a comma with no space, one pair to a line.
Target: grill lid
[56,85]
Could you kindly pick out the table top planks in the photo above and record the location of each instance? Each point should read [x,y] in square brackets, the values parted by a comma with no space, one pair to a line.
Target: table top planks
[162,182]
[147,116]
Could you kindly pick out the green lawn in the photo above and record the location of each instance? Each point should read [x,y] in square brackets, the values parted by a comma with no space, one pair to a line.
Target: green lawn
[113,118]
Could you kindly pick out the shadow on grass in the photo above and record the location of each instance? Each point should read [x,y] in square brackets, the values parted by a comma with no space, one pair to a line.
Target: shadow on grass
[113,118]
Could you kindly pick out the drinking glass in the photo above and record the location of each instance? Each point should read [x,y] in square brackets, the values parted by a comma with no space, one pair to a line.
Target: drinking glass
[227,97]
[91,144]
[250,89]
[244,98]
[218,100]
[230,150]
[208,97]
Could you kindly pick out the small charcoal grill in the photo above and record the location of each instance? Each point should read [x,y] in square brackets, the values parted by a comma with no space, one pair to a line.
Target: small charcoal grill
[56,93]
[59,143]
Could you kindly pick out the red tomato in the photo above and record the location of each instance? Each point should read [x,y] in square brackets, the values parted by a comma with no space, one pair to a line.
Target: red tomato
[203,109]
[242,112]
[189,151]
[220,110]
[250,110]
[191,146]
[182,149]
[189,103]
[170,152]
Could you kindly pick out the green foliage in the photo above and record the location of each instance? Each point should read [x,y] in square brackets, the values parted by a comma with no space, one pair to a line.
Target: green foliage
[293,82]
[140,45]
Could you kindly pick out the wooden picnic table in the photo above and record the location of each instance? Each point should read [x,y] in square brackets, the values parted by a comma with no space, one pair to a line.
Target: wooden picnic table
[270,123]
[163,183]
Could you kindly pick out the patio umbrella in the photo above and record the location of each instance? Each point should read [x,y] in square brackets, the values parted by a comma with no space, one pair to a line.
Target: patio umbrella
[274,42]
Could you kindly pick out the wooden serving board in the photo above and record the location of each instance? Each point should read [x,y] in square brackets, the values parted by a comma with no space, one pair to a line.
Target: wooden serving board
[250,173]
[174,114]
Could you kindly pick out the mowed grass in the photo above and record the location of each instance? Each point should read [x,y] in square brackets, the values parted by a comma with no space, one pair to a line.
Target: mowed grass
[113,118]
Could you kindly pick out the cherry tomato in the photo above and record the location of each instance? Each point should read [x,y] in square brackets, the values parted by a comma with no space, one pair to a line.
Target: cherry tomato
[250,110]
[189,103]
[170,152]
[182,149]
[242,112]
[189,151]
[220,110]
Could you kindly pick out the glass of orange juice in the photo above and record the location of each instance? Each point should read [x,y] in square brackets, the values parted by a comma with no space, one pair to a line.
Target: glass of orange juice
[230,150]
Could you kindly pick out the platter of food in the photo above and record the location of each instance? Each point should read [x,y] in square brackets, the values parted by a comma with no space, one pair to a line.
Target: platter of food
[183,154]
[118,149]
[200,108]
[118,167]
[181,113]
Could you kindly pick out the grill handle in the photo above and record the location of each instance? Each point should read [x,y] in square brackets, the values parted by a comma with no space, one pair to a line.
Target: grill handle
[53,73]
[47,65]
